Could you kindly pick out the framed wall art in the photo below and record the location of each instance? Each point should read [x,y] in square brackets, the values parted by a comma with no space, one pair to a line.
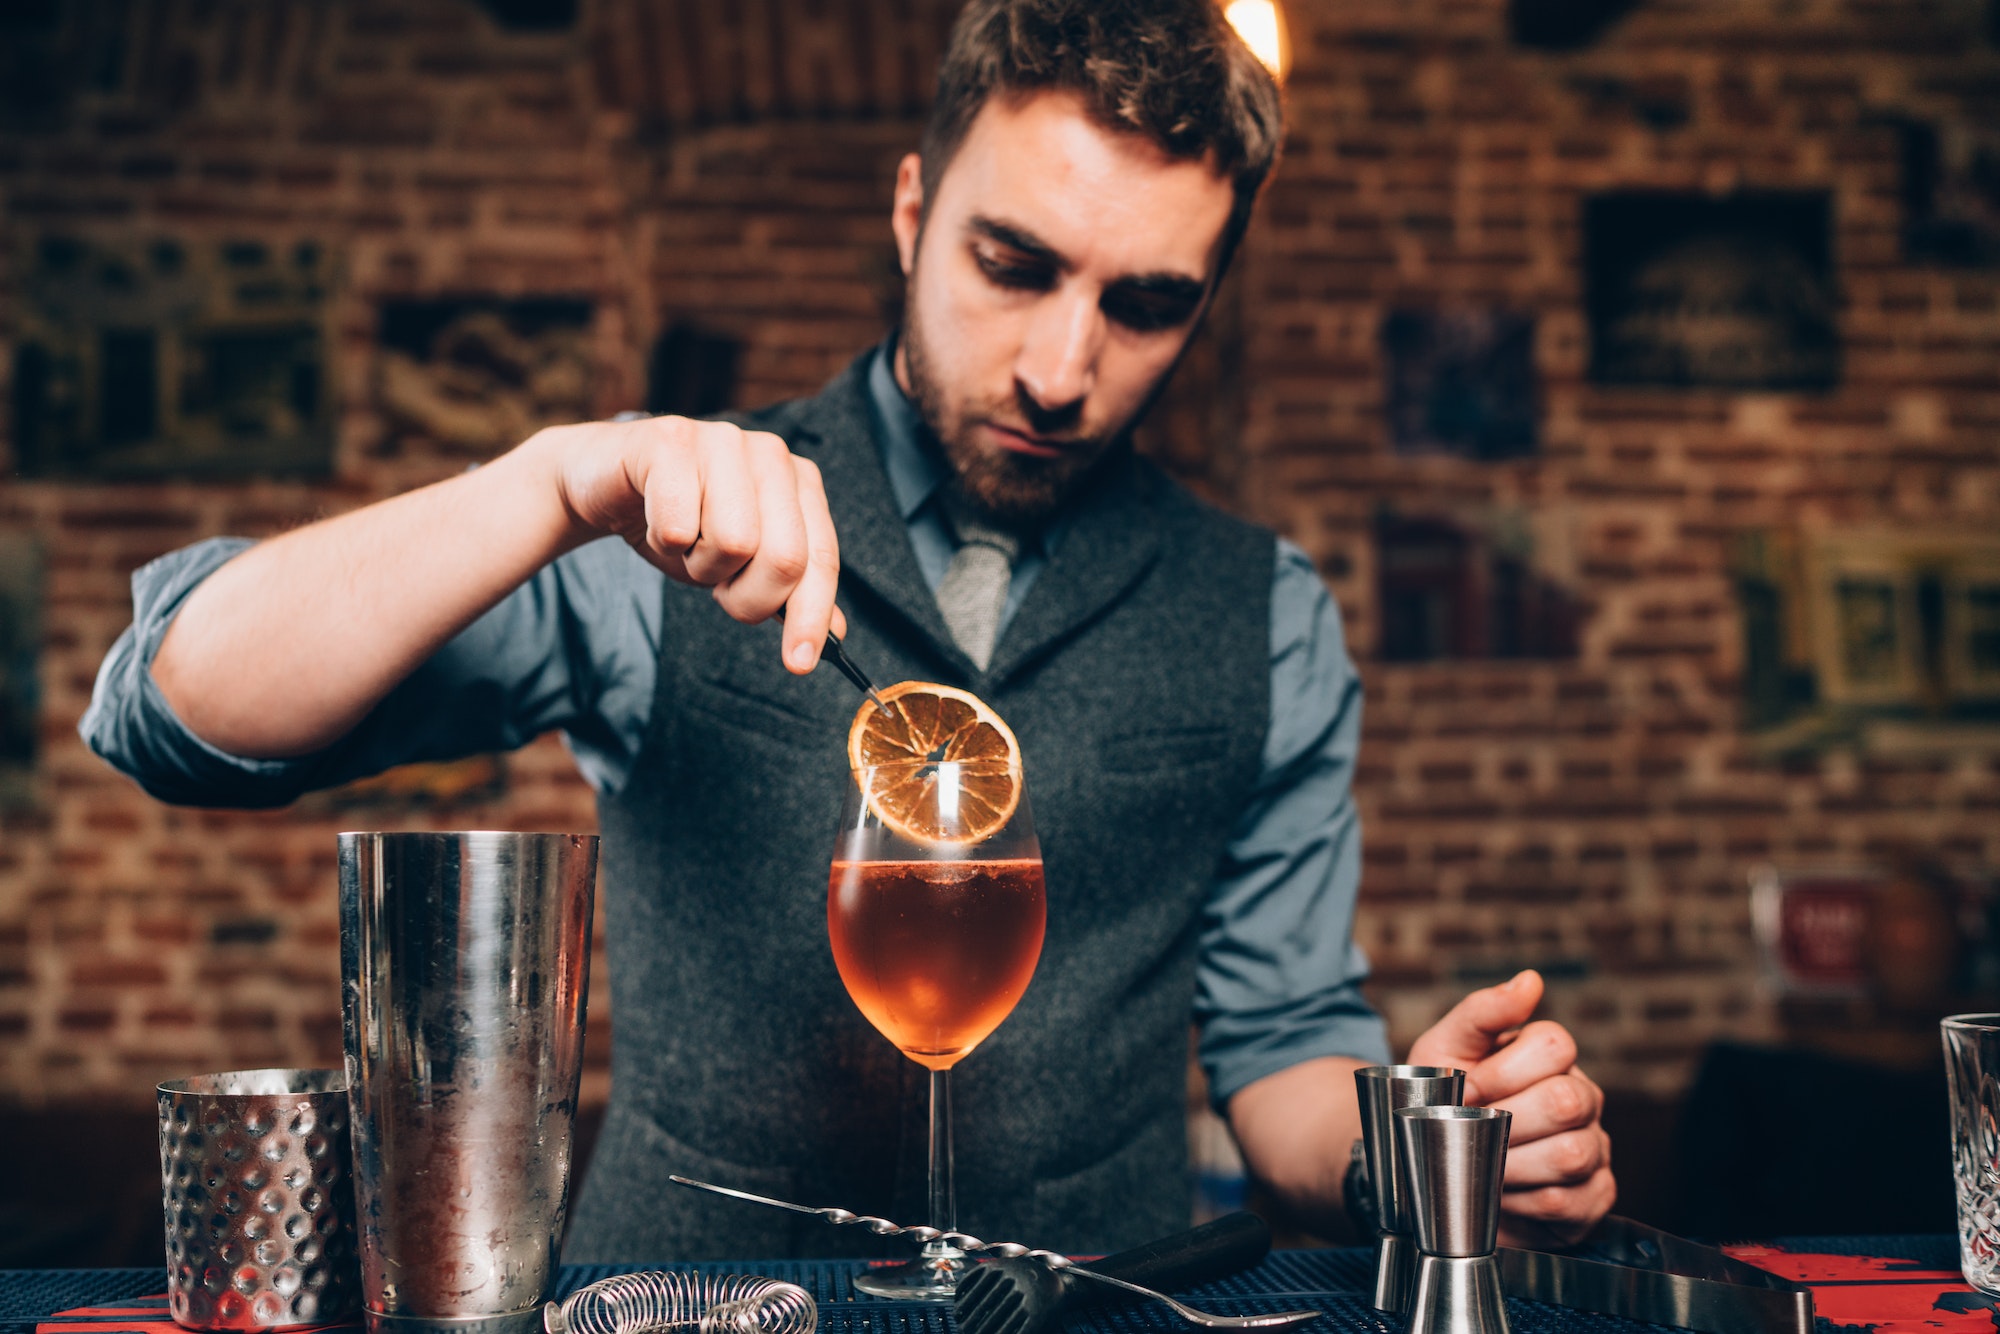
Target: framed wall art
[1460,383]
[476,375]
[1697,291]
[20,666]
[150,357]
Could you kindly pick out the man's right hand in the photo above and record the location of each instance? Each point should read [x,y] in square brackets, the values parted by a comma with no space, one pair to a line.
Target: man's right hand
[284,649]
[714,506]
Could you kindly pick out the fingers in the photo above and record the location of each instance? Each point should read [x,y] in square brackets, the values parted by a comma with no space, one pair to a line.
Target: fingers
[1564,1102]
[723,510]
[1538,1052]
[1476,1025]
[1566,1159]
[1558,1177]
[776,560]
[1556,1215]
[732,511]
[667,471]
[809,610]
[713,505]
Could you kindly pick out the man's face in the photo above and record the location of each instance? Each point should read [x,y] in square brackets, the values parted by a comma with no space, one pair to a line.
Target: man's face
[1061,270]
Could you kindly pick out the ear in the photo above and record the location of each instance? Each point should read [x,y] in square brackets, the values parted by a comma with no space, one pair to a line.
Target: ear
[906,212]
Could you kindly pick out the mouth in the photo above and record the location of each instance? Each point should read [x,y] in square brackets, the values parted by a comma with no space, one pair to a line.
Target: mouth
[1021,442]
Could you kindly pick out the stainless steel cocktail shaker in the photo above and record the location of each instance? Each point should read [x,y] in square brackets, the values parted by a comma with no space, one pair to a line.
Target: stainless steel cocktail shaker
[464,962]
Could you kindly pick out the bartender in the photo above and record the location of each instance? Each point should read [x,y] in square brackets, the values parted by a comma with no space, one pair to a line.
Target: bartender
[961,505]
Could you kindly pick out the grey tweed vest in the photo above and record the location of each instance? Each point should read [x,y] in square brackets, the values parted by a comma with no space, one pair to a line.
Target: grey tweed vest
[1136,675]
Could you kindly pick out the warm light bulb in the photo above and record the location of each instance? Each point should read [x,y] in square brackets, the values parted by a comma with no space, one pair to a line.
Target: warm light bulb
[1261,25]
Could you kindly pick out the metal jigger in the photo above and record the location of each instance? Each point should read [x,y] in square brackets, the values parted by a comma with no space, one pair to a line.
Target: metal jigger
[1453,1160]
[1382,1089]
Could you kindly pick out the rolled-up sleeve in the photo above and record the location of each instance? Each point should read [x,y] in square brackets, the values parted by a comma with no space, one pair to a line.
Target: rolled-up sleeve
[129,721]
[571,648]
[1280,976]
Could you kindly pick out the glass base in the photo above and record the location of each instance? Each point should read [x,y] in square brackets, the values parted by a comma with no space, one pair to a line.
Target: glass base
[928,1278]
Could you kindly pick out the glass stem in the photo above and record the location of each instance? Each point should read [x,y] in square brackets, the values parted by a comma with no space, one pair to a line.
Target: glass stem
[944,1192]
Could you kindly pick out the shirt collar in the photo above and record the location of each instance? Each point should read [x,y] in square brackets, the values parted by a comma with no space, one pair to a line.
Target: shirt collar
[915,471]
[912,460]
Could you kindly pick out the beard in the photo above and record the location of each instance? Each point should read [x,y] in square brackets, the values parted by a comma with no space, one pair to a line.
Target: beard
[1014,491]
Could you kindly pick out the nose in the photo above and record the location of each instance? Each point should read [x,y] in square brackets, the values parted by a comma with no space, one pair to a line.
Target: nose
[1057,366]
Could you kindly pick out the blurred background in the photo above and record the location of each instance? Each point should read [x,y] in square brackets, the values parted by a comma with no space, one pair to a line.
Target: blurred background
[1630,367]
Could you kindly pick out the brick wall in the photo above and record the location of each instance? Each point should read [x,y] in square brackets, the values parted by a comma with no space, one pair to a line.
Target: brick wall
[1605,811]
[1597,814]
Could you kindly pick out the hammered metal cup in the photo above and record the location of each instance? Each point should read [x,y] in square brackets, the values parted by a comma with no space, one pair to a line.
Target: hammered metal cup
[254,1168]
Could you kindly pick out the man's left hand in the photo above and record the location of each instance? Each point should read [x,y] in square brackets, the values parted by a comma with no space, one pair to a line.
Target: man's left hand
[1559,1178]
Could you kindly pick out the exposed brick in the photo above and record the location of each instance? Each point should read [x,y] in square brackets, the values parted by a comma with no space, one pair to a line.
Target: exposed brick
[77,1021]
[1501,801]
[164,930]
[246,1020]
[1522,892]
[116,973]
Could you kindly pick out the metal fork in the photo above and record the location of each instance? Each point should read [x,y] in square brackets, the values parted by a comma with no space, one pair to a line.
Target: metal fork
[1013,1250]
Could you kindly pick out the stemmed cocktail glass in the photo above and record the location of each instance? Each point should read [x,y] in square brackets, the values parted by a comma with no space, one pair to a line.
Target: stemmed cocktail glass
[936,925]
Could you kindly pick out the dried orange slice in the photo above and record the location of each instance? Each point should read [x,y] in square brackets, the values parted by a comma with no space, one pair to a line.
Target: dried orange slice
[927,724]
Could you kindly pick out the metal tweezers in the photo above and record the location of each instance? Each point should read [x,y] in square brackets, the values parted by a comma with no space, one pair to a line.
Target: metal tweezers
[1627,1269]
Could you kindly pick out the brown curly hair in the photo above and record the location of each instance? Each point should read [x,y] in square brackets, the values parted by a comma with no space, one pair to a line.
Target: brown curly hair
[1173,70]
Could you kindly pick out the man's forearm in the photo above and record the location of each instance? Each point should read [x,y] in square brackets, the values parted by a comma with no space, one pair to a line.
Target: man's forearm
[284,649]
[1297,1130]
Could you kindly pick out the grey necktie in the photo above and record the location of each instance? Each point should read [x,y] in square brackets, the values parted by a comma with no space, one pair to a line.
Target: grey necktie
[974,589]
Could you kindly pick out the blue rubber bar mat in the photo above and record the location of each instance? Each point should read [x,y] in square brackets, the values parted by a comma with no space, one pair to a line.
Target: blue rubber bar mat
[1277,1284]
[1336,1281]
[27,1295]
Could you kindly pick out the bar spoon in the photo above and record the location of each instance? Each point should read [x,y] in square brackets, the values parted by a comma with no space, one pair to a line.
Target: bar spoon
[1013,1250]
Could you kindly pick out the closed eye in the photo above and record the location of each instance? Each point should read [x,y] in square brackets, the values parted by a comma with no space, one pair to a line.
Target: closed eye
[1148,311]
[1015,272]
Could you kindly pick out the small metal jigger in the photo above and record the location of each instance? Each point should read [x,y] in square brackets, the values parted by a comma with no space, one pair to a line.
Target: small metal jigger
[1453,1160]
[1382,1089]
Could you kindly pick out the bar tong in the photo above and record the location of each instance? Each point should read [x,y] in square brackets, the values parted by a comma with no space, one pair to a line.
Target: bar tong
[1628,1269]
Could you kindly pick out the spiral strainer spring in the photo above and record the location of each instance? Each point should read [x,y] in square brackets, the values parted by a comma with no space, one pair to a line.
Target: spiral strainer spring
[701,1304]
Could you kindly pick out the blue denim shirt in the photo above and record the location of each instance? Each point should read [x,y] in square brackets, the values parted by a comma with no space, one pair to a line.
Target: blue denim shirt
[577,648]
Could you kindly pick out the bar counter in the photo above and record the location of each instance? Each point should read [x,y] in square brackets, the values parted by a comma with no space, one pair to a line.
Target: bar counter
[1892,1284]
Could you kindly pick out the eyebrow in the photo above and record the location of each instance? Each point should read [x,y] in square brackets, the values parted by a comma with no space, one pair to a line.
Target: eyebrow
[1165,283]
[1034,247]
